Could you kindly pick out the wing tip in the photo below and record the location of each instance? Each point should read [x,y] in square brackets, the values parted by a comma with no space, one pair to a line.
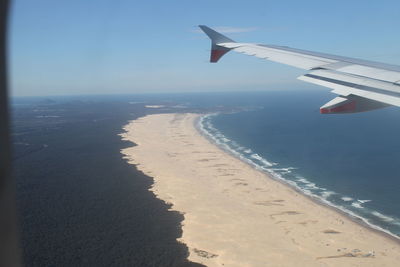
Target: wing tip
[216,51]
[215,36]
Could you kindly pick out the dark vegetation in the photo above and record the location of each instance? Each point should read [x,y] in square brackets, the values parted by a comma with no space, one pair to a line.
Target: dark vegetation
[79,202]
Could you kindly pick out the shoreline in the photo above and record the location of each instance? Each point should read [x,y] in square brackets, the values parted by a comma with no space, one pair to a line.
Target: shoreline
[316,199]
[310,238]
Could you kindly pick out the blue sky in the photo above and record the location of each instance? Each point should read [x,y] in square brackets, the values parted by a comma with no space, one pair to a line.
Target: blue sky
[120,46]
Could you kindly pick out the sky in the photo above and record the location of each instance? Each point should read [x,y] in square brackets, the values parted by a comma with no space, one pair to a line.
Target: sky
[76,47]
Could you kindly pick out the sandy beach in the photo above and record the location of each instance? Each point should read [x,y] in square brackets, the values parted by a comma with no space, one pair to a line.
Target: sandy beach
[235,215]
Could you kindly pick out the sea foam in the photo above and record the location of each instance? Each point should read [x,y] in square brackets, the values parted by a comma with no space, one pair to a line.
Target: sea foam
[345,204]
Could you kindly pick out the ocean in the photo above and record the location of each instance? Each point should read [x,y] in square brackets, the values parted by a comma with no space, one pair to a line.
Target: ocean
[350,162]
[81,204]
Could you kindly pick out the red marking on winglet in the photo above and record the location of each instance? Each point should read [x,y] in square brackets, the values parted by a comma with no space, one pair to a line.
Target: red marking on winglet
[216,55]
[346,107]
[324,110]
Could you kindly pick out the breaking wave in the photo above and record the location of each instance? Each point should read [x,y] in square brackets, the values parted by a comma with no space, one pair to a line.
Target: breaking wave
[355,208]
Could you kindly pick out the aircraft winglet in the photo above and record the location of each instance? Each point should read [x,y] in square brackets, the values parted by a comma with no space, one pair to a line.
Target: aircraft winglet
[216,38]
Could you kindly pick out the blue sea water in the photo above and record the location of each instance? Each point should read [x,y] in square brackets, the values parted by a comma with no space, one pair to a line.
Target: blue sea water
[77,195]
[351,161]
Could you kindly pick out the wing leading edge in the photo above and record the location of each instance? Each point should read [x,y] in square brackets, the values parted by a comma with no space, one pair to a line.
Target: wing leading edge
[361,85]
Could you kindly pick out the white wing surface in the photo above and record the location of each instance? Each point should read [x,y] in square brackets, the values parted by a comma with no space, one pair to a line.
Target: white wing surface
[361,85]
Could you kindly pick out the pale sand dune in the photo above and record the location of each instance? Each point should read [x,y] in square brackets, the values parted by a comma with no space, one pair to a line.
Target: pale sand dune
[236,215]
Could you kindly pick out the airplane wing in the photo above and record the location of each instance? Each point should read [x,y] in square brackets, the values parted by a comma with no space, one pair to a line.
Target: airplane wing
[361,85]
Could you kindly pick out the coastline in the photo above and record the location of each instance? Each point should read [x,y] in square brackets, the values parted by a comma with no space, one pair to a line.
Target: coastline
[315,198]
[349,214]
[278,225]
